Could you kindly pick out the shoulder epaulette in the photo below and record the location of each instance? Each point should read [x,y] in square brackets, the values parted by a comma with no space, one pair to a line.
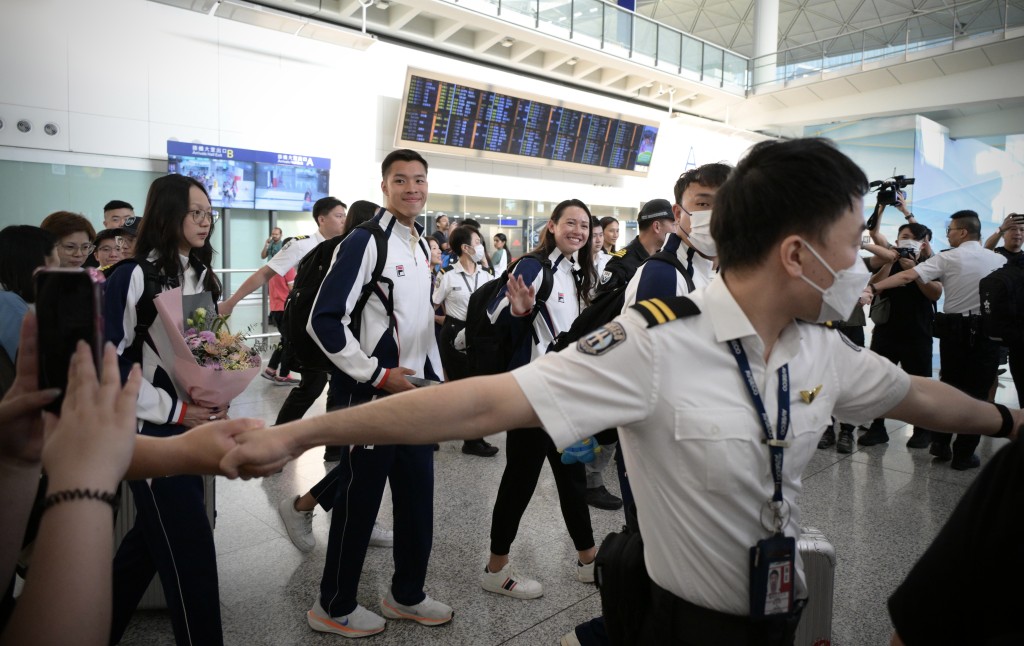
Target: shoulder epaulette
[664,310]
[445,270]
[299,237]
[620,253]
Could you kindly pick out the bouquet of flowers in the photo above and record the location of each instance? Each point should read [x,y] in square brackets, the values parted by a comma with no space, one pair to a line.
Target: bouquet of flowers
[209,365]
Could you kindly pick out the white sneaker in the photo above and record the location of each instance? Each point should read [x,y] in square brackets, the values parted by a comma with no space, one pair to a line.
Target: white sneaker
[570,639]
[427,612]
[358,623]
[381,537]
[585,573]
[507,582]
[298,523]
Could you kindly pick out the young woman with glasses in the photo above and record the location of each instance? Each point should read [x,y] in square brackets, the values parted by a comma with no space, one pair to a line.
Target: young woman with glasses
[74,237]
[171,535]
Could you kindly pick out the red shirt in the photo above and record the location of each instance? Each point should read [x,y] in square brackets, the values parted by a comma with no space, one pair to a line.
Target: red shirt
[279,290]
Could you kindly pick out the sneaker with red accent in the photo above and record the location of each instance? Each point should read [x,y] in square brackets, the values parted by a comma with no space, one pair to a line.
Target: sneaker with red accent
[511,584]
[285,381]
[269,373]
[427,612]
[358,623]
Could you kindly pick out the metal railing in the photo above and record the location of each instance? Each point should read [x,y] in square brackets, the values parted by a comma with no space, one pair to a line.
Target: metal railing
[946,27]
[611,29]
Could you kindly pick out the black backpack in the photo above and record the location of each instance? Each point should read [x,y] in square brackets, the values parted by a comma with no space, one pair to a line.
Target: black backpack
[609,304]
[491,347]
[309,275]
[153,282]
[1002,303]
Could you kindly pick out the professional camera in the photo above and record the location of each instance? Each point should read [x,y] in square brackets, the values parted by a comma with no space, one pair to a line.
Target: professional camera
[906,252]
[890,189]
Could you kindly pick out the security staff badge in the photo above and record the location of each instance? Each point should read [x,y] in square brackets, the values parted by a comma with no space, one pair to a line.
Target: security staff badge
[605,277]
[809,395]
[602,339]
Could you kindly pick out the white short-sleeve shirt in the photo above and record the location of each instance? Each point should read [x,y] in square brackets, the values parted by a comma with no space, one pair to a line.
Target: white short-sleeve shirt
[960,270]
[690,434]
[454,286]
[293,252]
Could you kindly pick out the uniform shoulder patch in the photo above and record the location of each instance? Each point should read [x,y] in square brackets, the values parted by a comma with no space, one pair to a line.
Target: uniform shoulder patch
[620,253]
[602,339]
[853,346]
[445,270]
[664,310]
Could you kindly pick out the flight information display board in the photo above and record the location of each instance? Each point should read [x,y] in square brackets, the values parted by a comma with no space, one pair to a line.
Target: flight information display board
[453,116]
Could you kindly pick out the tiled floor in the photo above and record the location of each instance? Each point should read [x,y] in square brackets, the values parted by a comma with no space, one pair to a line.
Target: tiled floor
[880,507]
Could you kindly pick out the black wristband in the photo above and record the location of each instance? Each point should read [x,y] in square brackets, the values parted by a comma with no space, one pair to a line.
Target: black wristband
[1007,427]
[80,494]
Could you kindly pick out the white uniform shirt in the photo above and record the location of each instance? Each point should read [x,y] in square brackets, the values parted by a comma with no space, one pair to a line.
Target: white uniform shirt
[293,252]
[690,434]
[454,286]
[960,270]
[702,271]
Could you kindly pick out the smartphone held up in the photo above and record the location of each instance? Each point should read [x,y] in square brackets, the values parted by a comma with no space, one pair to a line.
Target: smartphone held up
[69,309]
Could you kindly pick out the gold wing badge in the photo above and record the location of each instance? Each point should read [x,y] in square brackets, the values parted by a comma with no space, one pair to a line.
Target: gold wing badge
[809,395]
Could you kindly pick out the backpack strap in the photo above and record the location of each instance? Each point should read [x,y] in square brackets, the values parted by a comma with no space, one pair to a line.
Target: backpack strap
[377,276]
[665,310]
[673,259]
[153,282]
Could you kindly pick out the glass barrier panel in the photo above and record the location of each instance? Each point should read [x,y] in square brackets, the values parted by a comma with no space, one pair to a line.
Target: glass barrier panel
[669,47]
[587,19]
[555,18]
[618,28]
[712,65]
[735,74]
[511,9]
[645,40]
[692,63]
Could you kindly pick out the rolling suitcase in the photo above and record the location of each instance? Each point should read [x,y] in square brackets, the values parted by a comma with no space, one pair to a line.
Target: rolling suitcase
[819,557]
[153,599]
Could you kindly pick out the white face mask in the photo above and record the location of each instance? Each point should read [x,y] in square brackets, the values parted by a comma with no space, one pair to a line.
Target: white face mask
[838,301]
[700,233]
[478,253]
[910,244]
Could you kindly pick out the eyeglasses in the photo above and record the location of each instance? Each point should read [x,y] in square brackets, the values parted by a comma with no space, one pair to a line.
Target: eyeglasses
[81,249]
[948,229]
[200,216]
[108,248]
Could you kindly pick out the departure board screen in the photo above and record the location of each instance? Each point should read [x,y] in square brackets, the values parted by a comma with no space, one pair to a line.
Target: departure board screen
[450,115]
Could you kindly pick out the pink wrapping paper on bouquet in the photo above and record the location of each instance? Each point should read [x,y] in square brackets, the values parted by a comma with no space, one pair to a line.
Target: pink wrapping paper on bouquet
[210,385]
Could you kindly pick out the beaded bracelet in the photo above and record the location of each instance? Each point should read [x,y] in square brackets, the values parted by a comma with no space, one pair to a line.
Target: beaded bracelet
[1007,427]
[80,494]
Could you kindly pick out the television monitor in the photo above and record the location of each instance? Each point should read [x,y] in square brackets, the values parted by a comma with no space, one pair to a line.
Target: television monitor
[252,179]
[449,115]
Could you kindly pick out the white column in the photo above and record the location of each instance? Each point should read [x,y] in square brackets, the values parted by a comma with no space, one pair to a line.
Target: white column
[766,40]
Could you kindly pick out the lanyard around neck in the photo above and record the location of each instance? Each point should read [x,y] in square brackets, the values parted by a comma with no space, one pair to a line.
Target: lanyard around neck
[775,445]
[476,280]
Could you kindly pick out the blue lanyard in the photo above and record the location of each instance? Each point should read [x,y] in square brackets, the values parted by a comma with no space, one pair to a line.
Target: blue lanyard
[775,445]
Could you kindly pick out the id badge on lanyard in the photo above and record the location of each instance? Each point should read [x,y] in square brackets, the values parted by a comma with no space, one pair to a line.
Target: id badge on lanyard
[772,559]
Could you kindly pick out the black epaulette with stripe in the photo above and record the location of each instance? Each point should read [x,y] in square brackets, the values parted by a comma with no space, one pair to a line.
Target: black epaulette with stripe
[664,310]
[445,270]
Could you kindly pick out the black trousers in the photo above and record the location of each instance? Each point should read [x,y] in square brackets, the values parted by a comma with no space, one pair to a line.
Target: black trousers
[310,387]
[172,537]
[525,451]
[358,487]
[1017,371]
[969,363]
[281,356]
[912,353]
[456,364]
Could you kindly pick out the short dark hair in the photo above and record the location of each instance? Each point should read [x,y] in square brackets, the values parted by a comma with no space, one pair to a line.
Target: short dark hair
[402,154]
[970,222]
[63,223]
[107,234]
[462,235]
[325,205]
[23,248]
[438,217]
[710,175]
[781,188]
[470,222]
[361,211]
[918,230]
[117,204]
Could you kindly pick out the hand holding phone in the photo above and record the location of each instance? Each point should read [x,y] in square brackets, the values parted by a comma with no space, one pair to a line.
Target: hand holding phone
[69,306]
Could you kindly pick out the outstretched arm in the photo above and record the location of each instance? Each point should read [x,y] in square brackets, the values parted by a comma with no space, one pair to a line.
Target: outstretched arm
[475,408]
[933,404]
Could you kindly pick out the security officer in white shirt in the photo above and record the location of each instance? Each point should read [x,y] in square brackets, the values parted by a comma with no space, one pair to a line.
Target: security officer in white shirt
[716,455]
[969,359]
[330,215]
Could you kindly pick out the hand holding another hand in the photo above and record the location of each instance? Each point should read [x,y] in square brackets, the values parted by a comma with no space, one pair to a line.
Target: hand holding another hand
[260,452]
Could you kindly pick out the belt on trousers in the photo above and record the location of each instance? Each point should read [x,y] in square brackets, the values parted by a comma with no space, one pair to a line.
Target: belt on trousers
[698,625]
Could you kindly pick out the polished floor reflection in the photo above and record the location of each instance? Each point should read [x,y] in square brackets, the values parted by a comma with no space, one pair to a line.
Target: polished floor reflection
[880,507]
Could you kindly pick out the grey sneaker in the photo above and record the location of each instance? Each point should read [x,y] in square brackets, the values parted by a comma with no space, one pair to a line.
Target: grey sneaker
[845,442]
[828,439]
[427,612]
[299,524]
[381,537]
[358,623]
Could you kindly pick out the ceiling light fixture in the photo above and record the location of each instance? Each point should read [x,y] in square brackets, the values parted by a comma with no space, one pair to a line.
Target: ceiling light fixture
[382,4]
[507,41]
[572,61]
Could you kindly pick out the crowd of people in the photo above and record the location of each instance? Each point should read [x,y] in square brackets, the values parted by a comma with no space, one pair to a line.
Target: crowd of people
[754,274]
